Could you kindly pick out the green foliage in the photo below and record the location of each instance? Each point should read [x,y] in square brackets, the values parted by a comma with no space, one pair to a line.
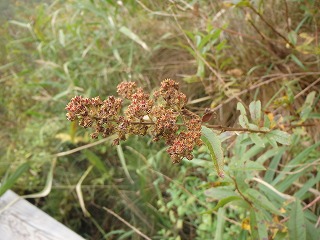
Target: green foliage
[213,143]
[264,53]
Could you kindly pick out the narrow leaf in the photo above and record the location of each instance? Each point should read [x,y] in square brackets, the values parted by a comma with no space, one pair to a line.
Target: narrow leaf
[260,200]
[254,225]
[13,178]
[262,226]
[313,232]
[225,201]
[297,61]
[126,31]
[297,224]
[123,163]
[213,143]
[95,160]
[220,224]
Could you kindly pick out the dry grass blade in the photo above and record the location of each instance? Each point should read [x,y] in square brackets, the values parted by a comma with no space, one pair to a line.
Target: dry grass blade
[61,154]
[79,192]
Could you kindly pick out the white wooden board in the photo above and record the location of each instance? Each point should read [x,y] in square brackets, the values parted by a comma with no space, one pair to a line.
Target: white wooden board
[24,221]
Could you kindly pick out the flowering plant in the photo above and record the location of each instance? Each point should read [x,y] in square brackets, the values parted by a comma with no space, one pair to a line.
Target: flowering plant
[163,116]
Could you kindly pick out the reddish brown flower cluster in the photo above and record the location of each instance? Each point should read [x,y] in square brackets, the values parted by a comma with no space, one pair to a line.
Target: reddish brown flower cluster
[165,117]
[169,91]
[102,116]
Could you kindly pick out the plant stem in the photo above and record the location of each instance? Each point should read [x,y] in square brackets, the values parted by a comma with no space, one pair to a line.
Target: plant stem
[270,26]
[231,129]
[244,197]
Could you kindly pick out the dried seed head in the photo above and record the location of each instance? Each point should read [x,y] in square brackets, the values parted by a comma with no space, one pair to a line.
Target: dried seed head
[106,118]
[126,89]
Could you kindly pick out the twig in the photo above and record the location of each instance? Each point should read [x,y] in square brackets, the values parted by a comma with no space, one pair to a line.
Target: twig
[307,88]
[257,29]
[128,224]
[224,129]
[270,26]
[287,15]
[244,197]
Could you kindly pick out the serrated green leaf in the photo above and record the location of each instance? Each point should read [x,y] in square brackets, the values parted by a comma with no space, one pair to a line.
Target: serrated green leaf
[225,201]
[256,139]
[14,177]
[280,136]
[297,223]
[260,200]
[213,143]
[255,111]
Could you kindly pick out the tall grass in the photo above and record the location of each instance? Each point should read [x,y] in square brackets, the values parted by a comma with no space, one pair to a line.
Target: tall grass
[220,52]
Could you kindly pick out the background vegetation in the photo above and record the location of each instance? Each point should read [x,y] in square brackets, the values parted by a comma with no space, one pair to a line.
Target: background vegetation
[222,52]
